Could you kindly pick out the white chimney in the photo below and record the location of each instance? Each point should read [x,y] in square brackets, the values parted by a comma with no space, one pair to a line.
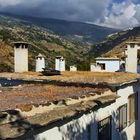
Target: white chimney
[59,63]
[40,63]
[131,57]
[21,57]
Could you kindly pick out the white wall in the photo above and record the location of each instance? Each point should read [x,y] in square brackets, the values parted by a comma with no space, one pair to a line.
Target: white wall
[73,68]
[21,59]
[40,64]
[79,129]
[137,123]
[110,65]
[95,68]
[60,64]
[57,64]
[131,58]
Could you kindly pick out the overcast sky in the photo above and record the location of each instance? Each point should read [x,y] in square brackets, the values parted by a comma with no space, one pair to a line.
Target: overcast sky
[110,13]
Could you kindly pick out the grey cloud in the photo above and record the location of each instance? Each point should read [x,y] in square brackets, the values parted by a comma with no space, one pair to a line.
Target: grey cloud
[80,10]
[92,11]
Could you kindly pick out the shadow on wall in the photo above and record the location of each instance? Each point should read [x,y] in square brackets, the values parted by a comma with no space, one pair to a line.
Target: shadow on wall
[115,128]
[75,132]
[137,112]
[122,135]
[80,129]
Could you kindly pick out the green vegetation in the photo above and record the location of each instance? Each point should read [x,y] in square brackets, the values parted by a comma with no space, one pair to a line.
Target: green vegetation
[51,45]
[43,41]
[114,44]
[5,67]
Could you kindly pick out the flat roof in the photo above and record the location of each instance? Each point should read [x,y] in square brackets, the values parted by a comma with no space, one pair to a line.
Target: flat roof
[107,58]
[133,42]
[36,94]
[79,77]
[36,106]
[45,100]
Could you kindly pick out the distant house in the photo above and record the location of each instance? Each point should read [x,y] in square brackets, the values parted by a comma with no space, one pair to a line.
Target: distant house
[73,68]
[104,64]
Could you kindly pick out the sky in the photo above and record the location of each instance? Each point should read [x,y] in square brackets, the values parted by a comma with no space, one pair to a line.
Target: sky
[121,14]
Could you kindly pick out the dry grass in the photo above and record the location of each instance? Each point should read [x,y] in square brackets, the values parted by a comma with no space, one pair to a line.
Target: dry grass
[51,92]
[37,94]
[77,77]
[83,73]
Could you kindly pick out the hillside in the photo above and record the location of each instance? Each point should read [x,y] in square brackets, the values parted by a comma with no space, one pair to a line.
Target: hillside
[46,42]
[78,32]
[114,45]
[49,44]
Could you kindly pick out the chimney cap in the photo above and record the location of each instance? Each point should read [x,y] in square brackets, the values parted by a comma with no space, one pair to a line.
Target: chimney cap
[59,57]
[21,42]
[40,56]
[18,43]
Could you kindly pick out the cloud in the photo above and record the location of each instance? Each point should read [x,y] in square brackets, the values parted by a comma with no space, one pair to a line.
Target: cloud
[80,10]
[5,3]
[111,13]
[122,15]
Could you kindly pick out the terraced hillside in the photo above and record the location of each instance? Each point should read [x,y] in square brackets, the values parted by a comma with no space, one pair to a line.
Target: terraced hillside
[77,32]
[45,41]
[114,45]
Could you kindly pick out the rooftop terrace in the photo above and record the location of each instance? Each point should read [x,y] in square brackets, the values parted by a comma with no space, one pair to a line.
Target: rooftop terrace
[109,78]
[43,100]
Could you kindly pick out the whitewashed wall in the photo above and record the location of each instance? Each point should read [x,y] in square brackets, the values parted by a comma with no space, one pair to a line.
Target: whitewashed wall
[40,64]
[57,64]
[73,68]
[131,59]
[137,123]
[21,59]
[95,68]
[60,64]
[110,65]
[85,128]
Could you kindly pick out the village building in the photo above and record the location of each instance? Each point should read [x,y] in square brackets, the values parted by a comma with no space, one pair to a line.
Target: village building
[104,64]
[73,68]
[95,68]
[99,105]
[40,63]
[71,106]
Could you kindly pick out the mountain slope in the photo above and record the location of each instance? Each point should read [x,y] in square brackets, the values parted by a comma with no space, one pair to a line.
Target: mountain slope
[78,32]
[114,45]
[44,42]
